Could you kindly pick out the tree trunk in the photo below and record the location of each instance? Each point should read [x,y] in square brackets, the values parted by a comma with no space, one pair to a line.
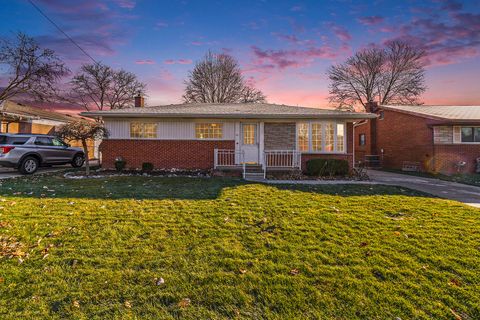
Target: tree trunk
[87,161]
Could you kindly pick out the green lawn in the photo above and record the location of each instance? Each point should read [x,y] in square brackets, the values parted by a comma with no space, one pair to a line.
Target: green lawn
[227,249]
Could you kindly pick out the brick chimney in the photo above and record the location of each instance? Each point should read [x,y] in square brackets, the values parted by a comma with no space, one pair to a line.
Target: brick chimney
[139,101]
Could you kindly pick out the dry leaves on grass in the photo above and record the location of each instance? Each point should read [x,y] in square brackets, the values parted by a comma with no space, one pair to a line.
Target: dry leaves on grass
[294,272]
[10,247]
[185,302]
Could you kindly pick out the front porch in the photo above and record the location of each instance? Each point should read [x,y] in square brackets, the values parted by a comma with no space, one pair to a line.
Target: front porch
[271,160]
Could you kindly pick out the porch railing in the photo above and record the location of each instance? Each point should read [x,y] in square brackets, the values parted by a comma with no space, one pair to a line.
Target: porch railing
[282,159]
[227,158]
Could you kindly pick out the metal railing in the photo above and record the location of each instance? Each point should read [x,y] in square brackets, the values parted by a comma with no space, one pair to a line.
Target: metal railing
[282,159]
[227,158]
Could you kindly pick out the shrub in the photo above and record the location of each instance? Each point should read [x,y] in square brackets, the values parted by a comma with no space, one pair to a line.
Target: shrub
[147,167]
[120,164]
[327,167]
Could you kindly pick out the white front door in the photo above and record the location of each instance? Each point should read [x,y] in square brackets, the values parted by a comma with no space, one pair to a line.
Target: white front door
[249,142]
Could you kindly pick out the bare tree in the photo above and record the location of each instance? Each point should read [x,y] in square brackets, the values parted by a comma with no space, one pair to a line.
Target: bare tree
[252,95]
[101,87]
[391,75]
[218,79]
[31,70]
[83,131]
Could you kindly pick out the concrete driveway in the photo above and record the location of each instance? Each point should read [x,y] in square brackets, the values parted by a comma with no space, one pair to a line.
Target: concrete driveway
[469,195]
[6,173]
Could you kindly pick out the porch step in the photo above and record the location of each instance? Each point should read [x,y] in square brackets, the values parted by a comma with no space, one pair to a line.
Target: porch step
[254,176]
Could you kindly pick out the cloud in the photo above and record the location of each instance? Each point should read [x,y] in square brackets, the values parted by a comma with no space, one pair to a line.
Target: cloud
[161,24]
[340,32]
[127,4]
[293,39]
[178,61]
[451,5]
[146,61]
[267,60]
[94,25]
[445,42]
[296,8]
[371,20]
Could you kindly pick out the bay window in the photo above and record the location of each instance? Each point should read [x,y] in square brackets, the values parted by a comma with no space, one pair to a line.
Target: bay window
[303,140]
[321,137]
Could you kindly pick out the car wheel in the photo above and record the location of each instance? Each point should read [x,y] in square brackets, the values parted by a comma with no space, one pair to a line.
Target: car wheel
[29,165]
[78,161]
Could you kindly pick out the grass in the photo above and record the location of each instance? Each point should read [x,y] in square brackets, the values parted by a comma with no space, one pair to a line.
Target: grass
[465,178]
[96,249]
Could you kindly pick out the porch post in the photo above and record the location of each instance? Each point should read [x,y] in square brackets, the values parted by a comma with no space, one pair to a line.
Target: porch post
[261,143]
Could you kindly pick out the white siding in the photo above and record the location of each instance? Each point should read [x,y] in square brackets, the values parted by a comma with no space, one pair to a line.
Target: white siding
[166,130]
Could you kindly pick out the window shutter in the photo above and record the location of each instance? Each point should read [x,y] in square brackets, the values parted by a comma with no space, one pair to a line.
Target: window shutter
[457,134]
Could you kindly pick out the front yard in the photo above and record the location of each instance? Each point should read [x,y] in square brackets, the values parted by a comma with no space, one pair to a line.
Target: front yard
[164,248]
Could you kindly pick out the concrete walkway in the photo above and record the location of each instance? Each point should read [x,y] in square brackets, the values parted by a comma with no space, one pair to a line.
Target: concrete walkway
[469,195]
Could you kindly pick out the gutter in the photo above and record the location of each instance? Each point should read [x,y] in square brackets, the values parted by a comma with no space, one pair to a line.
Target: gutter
[226,116]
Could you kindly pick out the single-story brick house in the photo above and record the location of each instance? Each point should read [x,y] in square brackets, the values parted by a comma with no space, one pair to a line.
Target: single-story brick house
[207,136]
[444,139]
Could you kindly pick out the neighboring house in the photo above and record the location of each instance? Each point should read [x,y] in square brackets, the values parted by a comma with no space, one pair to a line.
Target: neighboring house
[205,136]
[19,118]
[444,139]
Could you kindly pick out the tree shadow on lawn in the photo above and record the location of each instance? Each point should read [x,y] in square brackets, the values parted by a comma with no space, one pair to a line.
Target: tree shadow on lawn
[186,188]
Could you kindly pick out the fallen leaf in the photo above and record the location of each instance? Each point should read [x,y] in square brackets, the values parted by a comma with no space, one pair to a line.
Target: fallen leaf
[127,304]
[455,282]
[294,272]
[242,271]
[185,302]
[160,282]
[76,304]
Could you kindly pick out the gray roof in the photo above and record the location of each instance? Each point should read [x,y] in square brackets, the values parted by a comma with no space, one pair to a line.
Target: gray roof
[230,110]
[456,113]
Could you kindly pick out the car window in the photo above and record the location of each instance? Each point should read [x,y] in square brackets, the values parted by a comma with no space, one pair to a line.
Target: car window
[44,141]
[17,140]
[3,139]
[59,143]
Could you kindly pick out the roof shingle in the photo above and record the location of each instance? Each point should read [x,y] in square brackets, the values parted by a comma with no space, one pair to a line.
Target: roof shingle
[229,110]
[457,113]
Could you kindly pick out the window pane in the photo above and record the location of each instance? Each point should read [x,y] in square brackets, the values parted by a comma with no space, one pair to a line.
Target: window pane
[58,143]
[363,139]
[467,134]
[340,137]
[143,130]
[316,137]
[329,136]
[249,133]
[208,130]
[303,136]
[476,134]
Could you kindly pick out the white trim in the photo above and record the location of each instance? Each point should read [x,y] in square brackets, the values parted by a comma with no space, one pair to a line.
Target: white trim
[310,151]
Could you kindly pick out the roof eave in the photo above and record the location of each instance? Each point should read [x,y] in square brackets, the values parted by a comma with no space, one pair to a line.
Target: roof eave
[229,116]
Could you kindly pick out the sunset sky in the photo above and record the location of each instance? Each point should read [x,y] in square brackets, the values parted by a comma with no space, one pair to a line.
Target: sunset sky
[284,47]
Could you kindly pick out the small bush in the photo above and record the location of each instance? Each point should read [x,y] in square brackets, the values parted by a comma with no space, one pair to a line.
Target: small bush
[147,167]
[120,164]
[327,167]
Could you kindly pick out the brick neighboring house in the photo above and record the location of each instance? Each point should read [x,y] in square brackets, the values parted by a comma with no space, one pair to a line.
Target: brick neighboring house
[444,139]
[207,136]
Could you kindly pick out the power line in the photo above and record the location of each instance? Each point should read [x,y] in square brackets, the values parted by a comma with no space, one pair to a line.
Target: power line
[60,29]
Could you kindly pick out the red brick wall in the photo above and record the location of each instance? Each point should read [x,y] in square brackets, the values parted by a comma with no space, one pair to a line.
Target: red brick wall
[447,155]
[181,154]
[347,156]
[361,151]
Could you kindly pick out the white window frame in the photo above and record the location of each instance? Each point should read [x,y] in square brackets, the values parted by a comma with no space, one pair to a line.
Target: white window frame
[221,124]
[467,142]
[323,124]
[142,122]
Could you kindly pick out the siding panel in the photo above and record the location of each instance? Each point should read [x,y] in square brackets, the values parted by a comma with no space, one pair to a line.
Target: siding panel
[166,130]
